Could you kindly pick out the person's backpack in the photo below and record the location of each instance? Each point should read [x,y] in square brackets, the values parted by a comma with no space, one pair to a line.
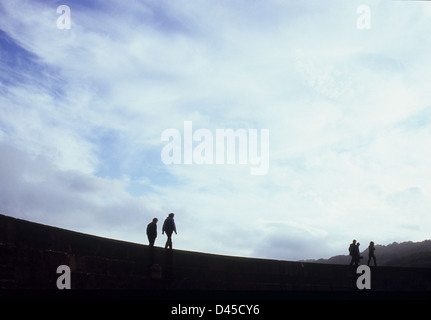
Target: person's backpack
[167,225]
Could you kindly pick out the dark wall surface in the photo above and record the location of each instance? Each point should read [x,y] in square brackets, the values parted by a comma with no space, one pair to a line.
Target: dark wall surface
[30,254]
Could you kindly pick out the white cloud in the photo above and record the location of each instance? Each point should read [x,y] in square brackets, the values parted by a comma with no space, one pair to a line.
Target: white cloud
[346,110]
[33,188]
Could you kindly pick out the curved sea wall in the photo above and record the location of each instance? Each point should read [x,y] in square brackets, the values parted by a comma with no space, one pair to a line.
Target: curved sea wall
[31,254]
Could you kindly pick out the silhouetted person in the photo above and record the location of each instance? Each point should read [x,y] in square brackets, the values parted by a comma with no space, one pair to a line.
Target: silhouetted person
[169,228]
[358,255]
[152,232]
[371,249]
[353,252]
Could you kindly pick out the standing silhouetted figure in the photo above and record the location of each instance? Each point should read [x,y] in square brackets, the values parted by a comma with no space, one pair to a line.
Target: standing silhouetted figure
[354,253]
[371,249]
[169,227]
[152,232]
[358,256]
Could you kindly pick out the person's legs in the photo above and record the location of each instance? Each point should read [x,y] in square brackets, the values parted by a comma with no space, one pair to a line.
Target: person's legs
[169,241]
[151,241]
[357,261]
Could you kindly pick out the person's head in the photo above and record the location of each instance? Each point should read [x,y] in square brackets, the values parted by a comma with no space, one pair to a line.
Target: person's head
[354,241]
[155,220]
[358,244]
[371,243]
[171,215]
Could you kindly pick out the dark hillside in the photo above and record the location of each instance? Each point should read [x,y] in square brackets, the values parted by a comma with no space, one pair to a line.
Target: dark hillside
[405,254]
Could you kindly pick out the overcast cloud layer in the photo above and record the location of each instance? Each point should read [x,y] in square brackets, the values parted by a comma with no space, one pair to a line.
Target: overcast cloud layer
[348,110]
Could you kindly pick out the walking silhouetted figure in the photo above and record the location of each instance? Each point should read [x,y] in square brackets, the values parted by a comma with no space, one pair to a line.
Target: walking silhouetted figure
[169,228]
[152,232]
[371,249]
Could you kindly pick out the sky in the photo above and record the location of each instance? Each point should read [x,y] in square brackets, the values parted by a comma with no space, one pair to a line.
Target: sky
[98,100]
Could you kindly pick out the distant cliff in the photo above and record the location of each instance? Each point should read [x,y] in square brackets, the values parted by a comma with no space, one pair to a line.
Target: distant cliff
[405,254]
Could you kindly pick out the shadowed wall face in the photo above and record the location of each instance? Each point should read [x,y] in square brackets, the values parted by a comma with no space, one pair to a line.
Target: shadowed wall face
[31,253]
